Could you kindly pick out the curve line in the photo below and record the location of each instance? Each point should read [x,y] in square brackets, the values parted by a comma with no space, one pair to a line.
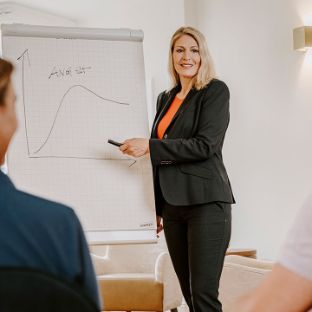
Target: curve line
[61,103]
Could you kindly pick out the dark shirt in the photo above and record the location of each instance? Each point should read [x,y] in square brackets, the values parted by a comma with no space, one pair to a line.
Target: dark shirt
[44,235]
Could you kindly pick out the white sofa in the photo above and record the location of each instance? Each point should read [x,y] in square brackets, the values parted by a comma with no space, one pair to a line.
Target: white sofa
[240,275]
[136,277]
[141,277]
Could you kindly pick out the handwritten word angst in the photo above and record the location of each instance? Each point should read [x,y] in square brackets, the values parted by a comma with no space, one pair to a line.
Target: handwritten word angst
[58,72]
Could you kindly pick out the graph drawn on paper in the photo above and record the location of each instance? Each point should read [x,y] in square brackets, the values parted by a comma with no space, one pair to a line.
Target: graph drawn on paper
[77,88]
[73,118]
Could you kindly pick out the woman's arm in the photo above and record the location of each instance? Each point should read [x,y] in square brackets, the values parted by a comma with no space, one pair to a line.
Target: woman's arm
[212,124]
[138,147]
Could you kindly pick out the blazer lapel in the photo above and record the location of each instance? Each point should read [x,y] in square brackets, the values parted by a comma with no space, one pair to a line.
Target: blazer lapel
[183,107]
[163,110]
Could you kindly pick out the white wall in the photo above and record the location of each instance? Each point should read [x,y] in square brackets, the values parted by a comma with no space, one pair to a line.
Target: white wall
[158,19]
[11,12]
[268,148]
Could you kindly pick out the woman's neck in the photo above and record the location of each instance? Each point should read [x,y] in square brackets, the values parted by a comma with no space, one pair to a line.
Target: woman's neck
[186,86]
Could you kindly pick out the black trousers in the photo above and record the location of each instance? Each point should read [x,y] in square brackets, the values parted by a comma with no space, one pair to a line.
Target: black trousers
[197,238]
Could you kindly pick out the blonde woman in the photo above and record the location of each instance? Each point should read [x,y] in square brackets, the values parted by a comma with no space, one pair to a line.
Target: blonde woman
[192,190]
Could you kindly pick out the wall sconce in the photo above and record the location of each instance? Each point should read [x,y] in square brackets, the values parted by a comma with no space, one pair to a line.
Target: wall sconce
[302,38]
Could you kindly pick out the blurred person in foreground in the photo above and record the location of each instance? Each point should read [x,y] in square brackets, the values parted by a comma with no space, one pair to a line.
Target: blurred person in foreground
[288,288]
[34,232]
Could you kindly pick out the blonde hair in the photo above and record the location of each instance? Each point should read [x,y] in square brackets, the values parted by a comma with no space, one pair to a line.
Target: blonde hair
[206,71]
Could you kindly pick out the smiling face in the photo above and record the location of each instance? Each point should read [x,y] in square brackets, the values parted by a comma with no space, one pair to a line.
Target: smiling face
[186,57]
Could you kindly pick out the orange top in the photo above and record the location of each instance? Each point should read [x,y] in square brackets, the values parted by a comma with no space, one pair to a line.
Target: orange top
[165,121]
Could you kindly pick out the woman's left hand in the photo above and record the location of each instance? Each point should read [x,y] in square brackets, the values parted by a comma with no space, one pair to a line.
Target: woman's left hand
[135,147]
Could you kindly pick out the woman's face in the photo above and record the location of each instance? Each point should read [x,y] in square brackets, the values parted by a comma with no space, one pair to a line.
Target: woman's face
[8,120]
[186,58]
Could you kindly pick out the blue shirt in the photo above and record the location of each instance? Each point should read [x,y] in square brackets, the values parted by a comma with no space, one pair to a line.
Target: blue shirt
[44,235]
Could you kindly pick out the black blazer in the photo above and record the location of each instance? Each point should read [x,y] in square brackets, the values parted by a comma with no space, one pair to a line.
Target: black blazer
[187,163]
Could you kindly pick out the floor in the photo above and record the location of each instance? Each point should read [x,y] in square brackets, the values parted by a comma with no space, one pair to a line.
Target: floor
[182,308]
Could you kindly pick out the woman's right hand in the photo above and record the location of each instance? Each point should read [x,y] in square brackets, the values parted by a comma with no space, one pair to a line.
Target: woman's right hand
[159,224]
[135,147]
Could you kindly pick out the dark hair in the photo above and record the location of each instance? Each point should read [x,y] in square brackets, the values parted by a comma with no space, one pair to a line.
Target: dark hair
[6,69]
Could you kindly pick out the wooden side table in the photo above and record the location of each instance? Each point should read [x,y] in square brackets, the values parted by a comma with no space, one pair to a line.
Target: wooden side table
[245,252]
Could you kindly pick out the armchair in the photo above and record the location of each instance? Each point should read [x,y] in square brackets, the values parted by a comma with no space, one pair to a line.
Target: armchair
[137,277]
[240,275]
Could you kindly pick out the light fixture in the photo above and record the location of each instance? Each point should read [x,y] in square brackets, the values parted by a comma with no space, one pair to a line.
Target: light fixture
[302,38]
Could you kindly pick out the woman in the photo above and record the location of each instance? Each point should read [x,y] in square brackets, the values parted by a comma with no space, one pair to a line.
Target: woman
[192,190]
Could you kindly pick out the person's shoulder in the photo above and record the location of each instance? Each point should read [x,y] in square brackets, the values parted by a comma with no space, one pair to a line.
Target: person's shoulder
[162,94]
[215,93]
[165,94]
[43,206]
[304,215]
[296,251]
[160,97]
[216,85]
